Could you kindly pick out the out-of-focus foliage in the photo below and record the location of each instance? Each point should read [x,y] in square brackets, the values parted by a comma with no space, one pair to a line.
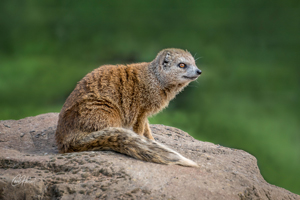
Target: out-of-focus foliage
[247,97]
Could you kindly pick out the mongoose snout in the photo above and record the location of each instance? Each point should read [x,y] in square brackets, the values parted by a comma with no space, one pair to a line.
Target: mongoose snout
[191,71]
[193,75]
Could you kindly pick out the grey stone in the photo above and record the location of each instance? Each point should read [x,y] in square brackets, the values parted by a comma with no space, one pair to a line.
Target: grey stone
[29,170]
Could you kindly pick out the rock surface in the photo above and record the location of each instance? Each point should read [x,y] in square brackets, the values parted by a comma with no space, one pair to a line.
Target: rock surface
[31,168]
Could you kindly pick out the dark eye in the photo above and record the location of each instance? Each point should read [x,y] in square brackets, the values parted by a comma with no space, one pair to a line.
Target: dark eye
[182,65]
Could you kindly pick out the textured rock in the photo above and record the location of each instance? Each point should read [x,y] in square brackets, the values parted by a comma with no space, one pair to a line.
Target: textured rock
[31,168]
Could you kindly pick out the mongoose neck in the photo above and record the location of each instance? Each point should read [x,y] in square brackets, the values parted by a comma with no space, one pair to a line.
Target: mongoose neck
[157,78]
[156,74]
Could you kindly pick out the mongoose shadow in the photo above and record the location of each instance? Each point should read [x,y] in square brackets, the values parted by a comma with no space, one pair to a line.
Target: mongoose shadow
[108,108]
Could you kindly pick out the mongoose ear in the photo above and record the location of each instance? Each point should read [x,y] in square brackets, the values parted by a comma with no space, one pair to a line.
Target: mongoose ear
[167,59]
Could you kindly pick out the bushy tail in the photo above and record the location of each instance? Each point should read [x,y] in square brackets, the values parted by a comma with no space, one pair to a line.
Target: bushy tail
[127,142]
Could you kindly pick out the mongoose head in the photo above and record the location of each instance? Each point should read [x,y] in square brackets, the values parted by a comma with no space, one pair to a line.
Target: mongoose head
[175,67]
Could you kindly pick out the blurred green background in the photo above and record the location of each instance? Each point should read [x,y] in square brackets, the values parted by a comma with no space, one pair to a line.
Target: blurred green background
[247,97]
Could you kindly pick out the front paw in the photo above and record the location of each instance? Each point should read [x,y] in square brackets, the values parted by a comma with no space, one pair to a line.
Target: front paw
[149,136]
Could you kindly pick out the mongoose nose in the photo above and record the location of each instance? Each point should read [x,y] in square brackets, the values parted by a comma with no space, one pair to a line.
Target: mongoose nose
[198,71]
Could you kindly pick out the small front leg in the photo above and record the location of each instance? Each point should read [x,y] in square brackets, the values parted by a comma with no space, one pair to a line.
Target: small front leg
[147,131]
[141,127]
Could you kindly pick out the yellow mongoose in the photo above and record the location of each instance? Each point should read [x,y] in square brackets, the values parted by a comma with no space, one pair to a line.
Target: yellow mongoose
[108,108]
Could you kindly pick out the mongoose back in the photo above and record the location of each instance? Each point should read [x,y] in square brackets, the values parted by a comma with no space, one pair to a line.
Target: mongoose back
[108,108]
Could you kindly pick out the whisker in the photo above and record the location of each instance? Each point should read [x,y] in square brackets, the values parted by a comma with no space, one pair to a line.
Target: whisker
[198,58]
[193,86]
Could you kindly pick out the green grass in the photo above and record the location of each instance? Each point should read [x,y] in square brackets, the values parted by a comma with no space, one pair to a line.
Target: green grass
[32,85]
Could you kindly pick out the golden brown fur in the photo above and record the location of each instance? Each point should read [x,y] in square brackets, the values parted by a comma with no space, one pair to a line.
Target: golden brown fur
[109,107]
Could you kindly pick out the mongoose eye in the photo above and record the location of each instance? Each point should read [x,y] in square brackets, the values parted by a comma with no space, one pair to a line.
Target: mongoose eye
[182,65]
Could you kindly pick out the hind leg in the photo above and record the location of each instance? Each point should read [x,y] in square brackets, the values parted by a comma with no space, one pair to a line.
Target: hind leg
[90,123]
[96,118]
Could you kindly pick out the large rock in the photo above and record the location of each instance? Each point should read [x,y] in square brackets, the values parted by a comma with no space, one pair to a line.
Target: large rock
[31,168]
